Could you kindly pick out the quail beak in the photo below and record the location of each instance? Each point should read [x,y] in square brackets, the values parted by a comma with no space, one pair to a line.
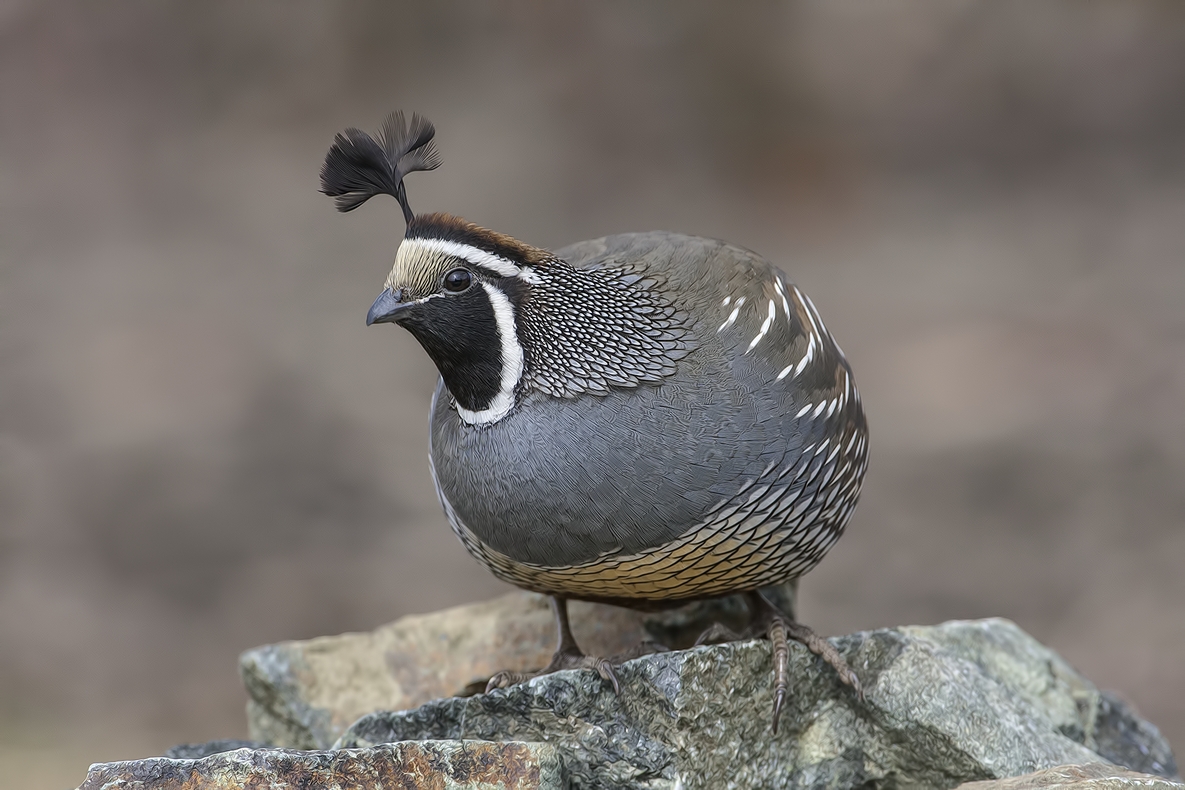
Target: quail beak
[386,308]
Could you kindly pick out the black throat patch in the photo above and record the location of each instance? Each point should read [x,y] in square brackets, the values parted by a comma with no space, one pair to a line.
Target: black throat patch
[461,335]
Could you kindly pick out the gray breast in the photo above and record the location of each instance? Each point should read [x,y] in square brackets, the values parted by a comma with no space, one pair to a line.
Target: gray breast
[562,481]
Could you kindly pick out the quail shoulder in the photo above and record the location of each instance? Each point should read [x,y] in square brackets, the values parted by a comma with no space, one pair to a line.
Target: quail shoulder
[642,419]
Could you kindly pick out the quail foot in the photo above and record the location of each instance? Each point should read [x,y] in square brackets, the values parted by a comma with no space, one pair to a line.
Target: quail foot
[644,419]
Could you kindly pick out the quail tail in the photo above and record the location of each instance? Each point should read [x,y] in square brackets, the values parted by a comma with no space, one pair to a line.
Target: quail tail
[568,655]
[768,620]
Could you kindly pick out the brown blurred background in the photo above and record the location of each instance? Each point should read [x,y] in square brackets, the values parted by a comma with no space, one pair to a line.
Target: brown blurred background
[203,449]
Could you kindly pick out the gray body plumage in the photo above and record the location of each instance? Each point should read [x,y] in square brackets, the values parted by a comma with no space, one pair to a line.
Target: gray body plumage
[731,461]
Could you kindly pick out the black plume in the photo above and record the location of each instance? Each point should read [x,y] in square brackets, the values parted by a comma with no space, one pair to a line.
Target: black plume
[358,167]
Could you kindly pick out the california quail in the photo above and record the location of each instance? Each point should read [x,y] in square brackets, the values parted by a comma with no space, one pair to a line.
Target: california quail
[642,419]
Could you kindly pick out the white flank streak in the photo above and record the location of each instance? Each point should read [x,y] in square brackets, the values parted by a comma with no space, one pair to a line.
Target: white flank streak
[848,447]
[814,313]
[769,319]
[727,301]
[512,362]
[832,407]
[806,358]
[478,257]
[782,293]
[785,371]
[819,409]
[804,409]
[731,317]
[809,312]
[822,446]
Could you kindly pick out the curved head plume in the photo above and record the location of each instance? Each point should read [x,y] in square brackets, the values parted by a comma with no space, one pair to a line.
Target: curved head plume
[358,166]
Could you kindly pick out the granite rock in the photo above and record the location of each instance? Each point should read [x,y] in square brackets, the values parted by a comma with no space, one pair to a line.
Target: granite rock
[1092,776]
[431,765]
[195,751]
[303,694]
[944,705]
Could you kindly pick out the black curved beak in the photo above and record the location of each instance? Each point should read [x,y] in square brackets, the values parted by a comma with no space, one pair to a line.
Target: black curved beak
[386,308]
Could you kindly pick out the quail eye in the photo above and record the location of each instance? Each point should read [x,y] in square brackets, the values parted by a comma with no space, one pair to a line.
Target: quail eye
[457,280]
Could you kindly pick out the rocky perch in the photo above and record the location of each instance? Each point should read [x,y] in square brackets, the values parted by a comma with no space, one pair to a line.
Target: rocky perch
[962,702]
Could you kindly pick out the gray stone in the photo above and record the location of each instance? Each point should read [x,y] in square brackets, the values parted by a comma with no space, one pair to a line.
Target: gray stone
[304,694]
[194,751]
[432,765]
[1092,776]
[948,704]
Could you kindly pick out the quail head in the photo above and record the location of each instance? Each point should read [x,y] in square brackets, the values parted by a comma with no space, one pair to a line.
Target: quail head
[642,419]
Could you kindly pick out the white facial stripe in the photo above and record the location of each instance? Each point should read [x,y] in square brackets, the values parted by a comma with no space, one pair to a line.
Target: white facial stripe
[478,257]
[512,362]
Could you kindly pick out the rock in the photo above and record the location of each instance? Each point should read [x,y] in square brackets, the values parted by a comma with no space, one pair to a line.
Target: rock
[434,765]
[948,704]
[304,694]
[1092,776]
[194,751]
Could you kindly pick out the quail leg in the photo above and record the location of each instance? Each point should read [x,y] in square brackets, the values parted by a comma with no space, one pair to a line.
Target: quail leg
[769,620]
[568,655]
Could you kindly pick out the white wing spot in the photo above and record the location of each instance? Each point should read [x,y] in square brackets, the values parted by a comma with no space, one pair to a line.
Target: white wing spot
[769,319]
[731,318]
[806,358]
[782,293]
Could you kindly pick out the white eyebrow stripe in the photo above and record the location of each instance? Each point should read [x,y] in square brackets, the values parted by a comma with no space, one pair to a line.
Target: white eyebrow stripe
[504,267]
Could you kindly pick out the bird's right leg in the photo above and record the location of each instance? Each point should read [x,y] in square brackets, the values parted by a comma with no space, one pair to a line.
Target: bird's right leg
[568,655]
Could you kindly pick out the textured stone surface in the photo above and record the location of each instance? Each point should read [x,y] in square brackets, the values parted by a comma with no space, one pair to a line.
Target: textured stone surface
[1092,776]
[304,694]
[194,751]
[431,765]
[944,705]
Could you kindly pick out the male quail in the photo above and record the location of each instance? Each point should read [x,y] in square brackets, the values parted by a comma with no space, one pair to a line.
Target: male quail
[642,419]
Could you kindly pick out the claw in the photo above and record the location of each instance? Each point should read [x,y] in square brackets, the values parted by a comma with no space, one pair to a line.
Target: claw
[605,670]
[823,649]
[507,678]
[567,656]
[780,629]
[779,701]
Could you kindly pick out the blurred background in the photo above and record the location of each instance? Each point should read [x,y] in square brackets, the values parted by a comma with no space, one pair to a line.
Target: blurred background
[203,449]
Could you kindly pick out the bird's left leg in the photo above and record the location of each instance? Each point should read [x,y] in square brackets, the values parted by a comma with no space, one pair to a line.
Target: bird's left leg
[568,655]
[769,620]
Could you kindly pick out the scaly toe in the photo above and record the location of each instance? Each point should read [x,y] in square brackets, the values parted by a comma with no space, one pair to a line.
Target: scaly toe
[507,678]
[822,648]
[780,647]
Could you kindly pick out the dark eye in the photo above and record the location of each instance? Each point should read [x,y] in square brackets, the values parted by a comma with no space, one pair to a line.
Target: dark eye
[457,280]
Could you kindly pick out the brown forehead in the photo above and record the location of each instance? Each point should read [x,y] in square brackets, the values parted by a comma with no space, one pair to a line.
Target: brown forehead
[446,227]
